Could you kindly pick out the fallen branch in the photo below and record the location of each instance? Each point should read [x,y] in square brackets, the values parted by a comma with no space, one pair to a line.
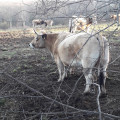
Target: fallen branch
[98,101]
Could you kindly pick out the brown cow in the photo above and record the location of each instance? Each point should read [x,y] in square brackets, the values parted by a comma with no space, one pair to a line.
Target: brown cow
[37,22]
[77,50]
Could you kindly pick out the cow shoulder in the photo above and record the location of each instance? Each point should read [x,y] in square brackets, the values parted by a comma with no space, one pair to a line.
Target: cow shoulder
[50,40]
[60,38]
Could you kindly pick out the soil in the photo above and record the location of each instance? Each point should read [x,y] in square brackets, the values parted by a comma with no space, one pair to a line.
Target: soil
[28,82]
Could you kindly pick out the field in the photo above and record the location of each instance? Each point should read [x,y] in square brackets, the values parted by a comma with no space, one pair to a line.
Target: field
[29,89]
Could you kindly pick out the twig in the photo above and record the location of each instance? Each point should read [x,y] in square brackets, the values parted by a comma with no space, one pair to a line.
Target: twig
[98,102]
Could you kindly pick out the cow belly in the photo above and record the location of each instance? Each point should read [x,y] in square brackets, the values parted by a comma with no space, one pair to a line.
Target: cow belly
[69,57]
[71,61]
[79,60]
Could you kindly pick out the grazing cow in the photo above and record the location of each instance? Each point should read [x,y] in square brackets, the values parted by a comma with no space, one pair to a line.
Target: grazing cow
[114,17]
[37,22]
[77,50]
[80,23]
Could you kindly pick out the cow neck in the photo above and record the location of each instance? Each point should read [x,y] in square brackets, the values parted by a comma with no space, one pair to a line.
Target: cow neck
[49,41]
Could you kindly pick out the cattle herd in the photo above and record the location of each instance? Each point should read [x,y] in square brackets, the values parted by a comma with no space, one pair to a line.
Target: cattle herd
[35,80]
[81,23]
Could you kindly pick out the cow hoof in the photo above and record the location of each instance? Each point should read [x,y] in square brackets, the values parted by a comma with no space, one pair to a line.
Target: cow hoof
[59,80]
[103,95]
[86,93]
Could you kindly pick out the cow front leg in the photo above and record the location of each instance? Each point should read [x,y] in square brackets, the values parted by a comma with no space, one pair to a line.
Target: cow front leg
[62,73]
[61,69]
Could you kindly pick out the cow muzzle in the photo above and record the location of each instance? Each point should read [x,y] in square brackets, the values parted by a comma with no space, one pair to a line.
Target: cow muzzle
[31,45]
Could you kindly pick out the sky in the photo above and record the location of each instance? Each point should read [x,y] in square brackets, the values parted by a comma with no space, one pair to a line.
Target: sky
[14,1]
[10,2]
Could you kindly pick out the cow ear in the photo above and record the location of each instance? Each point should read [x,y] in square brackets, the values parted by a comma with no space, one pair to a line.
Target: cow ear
[44,36]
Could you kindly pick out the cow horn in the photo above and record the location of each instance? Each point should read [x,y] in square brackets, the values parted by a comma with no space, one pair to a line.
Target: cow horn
[35,32]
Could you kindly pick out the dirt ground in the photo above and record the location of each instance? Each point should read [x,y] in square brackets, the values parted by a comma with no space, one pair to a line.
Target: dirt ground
[28,82]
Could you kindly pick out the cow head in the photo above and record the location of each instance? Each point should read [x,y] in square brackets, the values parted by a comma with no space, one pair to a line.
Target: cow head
[89,20]
[39,40]
[81,23]
[114,17]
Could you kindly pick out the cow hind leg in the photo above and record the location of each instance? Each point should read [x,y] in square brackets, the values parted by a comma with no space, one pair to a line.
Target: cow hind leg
[89,79]
[88,65]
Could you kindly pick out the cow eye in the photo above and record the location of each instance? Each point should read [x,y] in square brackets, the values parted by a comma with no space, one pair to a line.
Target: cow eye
[80,23]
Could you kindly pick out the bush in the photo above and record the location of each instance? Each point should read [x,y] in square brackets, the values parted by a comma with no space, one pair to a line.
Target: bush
[4,25]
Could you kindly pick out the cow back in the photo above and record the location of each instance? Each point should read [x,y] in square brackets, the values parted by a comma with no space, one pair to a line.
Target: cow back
[61,37]
[81,45]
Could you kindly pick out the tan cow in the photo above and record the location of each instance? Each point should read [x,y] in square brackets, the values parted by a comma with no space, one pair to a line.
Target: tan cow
[77,50]
[114,17]
[80,23]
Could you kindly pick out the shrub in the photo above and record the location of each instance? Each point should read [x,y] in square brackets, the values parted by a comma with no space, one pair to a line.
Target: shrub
[4,25]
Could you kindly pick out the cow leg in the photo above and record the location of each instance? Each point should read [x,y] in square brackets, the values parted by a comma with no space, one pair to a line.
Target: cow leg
[64,73]
[89,78]
[72,70]
[88,65]
[61,69]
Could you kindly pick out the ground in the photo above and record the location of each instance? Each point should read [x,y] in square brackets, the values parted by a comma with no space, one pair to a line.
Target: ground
[28,83]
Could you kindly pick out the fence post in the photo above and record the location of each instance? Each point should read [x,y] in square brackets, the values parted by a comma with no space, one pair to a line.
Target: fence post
[10,24]
[118,17]
[23,23]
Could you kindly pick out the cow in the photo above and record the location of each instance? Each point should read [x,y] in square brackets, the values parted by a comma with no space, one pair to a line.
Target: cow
[37,22]
[77,50]
[114,17]
[79,23]
[49,22]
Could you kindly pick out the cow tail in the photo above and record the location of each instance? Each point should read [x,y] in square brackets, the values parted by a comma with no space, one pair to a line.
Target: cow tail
[100,73]
[101,58]
[101,78]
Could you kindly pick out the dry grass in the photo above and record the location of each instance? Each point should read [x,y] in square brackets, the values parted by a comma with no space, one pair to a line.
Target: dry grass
[19,33]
